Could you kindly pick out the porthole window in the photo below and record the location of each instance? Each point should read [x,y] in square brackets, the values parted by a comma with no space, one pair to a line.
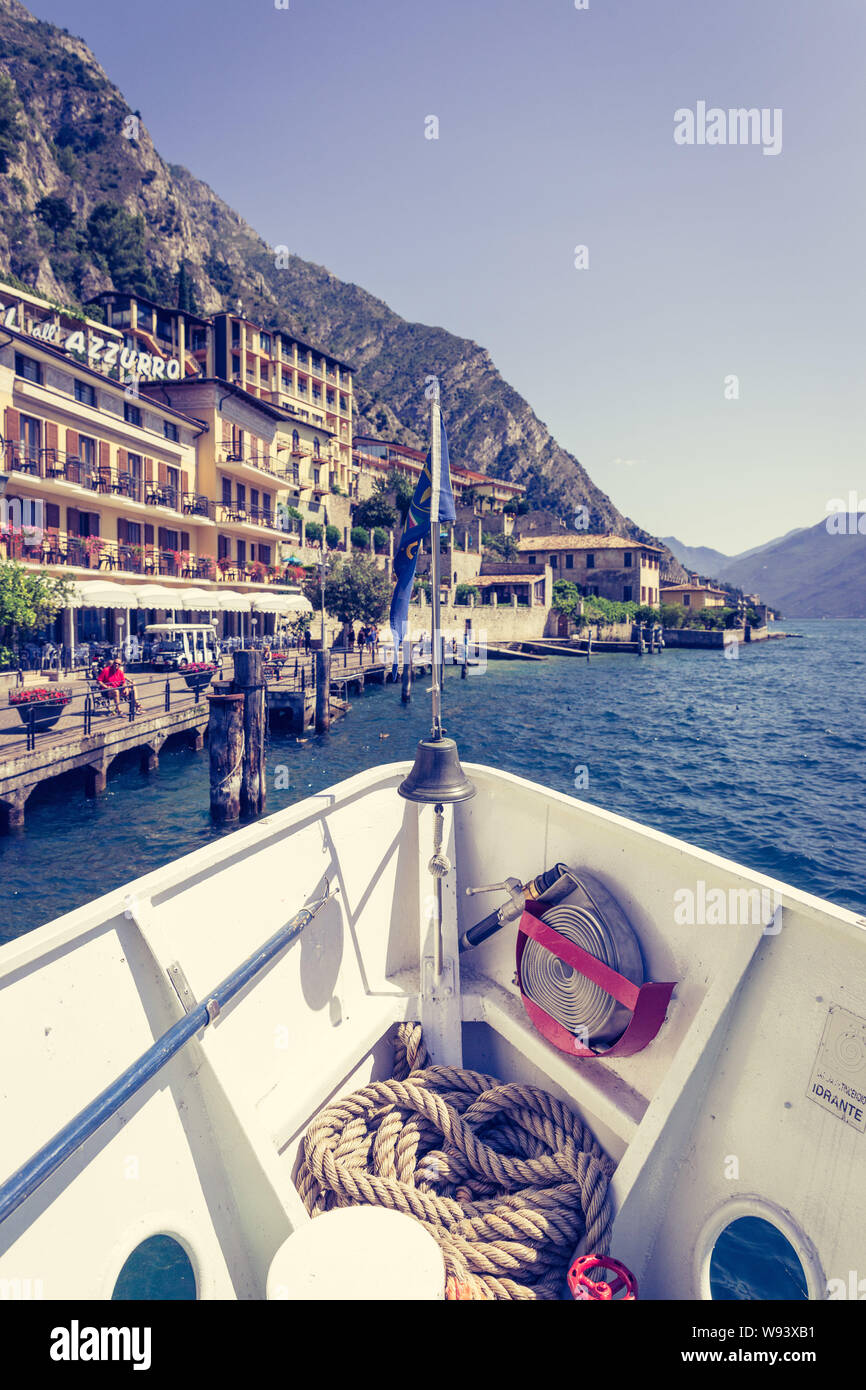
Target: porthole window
[753,1260]
[158,1268]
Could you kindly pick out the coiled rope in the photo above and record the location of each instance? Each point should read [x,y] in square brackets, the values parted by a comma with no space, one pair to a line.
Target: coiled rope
[505,1177]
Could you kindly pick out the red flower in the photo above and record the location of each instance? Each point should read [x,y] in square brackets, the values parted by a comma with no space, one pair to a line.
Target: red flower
[41,695]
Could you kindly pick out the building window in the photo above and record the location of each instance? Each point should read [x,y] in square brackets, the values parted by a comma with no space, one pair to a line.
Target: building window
[170,430]
[28,367]
[87,450]
[302,386]
[227,492]
[553,562]
[131,414]
[627,559]
[569,562]
[265,341]
[626,593]
[163,329]
[85,393]
[198,340]
[686,601]
[296,440]
[315,446]
[590,561]
[531,559]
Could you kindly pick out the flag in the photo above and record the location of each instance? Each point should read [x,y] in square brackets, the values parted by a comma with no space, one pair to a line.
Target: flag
[416,527]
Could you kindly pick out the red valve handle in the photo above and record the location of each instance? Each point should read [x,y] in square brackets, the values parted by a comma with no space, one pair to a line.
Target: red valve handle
[582,1287]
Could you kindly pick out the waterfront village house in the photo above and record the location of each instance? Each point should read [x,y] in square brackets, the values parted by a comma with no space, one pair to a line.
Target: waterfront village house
[374,458]
[694,596]
[605,566]
[120,482]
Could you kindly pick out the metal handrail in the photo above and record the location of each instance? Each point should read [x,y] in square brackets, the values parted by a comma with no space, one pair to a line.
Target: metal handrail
[68,1140]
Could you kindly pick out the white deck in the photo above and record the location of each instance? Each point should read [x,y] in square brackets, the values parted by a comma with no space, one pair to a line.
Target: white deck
[206,1152]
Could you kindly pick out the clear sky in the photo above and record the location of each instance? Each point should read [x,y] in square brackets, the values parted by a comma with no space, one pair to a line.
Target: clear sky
[556,130]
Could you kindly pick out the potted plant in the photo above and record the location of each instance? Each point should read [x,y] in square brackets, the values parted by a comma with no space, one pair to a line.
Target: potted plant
[48,705]
[199,674]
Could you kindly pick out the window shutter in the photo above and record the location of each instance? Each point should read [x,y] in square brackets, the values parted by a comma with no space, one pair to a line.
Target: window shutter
[148,533]
[121,531]
[104,454]
[51,436]
[72,521]
[161,538]
[52,516]
[122,460]
[148,472]
[94,523]
[162,473]
[184,481]
[252,552]
[184,540]
[72,444]
[13,423]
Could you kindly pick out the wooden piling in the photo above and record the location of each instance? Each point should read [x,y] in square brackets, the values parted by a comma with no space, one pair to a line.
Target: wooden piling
[323,691]
[226,744]
[249,682]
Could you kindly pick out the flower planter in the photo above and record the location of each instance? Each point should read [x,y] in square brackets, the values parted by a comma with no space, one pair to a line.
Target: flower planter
[46,713]
[198,680]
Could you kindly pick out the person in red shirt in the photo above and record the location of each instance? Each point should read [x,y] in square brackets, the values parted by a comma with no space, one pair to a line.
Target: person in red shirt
[113,678]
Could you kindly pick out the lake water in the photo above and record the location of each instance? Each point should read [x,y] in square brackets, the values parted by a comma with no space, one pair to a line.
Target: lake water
[758,758]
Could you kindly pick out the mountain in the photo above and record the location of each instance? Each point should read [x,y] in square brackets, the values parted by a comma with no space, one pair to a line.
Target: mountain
[810,573]
[700,559]
[88,204]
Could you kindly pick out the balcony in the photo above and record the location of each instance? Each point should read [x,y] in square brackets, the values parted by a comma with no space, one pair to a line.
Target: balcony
[228,513]
[62,549]
[261,463]
[54,466]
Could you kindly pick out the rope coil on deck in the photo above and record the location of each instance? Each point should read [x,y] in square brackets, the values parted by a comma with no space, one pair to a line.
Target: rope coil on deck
[504,1176]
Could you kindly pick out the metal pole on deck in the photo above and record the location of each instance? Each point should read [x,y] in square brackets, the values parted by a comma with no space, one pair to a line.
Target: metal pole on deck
[435,490]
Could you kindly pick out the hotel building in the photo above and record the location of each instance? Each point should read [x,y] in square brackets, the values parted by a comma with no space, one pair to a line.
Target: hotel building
[695,596]
[110,479]
[604,566]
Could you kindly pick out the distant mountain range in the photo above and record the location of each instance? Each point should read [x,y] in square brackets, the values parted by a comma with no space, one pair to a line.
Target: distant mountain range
[811,572]
[88,204]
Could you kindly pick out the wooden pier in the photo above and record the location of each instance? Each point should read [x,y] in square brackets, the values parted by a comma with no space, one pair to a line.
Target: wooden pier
[94,752]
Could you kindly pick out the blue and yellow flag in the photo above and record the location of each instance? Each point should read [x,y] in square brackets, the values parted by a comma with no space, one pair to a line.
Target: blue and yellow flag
[417,526]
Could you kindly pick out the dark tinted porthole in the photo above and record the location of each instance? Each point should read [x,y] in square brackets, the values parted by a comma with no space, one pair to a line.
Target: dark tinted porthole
[159,1268]
[753,1260]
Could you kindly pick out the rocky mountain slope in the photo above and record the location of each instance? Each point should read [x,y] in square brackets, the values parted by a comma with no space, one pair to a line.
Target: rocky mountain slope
[811,573]
[87,203]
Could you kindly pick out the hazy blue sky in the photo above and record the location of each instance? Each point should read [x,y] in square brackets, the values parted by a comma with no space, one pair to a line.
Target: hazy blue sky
[556,130]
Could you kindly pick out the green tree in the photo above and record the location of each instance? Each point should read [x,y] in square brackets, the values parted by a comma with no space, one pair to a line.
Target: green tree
[117,242]
[28,600]
[400,487]
[11,127]
[333,536]
[360,538]
[313,531]
[186,290]
[464,592]
[356,590]
[56,213]
[566,597]
[503,545]
[376,511]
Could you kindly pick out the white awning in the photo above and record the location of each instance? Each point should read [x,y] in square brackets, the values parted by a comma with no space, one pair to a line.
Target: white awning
[102,593]
[198,599]
[158,596]
[281,603]
[230,601]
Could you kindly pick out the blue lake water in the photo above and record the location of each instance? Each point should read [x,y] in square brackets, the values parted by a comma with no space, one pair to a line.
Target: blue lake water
[759,758]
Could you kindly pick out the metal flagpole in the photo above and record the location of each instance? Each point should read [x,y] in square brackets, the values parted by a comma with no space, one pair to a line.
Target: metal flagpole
[435,489]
